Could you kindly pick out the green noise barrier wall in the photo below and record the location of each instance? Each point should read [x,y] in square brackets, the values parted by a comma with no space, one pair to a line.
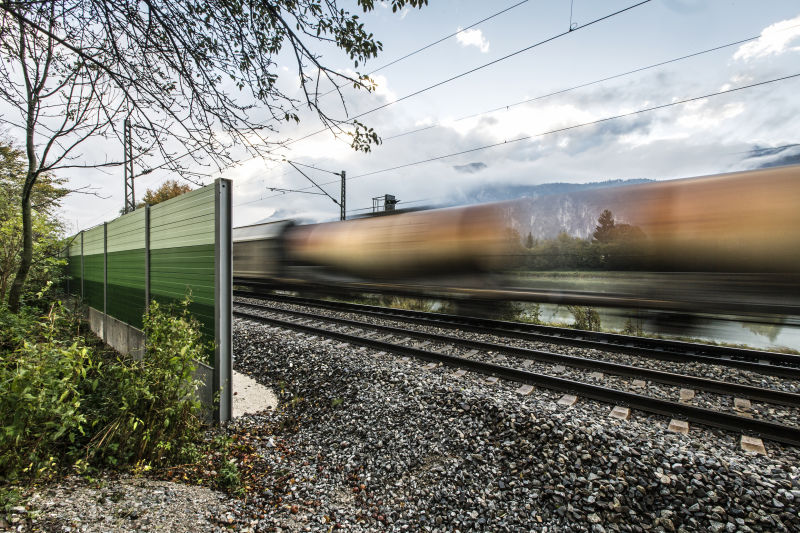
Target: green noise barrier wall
[159,253]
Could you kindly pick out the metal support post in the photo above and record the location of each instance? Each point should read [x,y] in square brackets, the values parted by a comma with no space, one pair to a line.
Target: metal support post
[343,214]
[69,267]
[82,276]
[105,278]
[223,300]
[147,258]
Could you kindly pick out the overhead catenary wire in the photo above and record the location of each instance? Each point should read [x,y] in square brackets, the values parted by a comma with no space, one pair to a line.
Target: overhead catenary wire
[583,85]
[312,167]
[562,91]
[478,68]
[567,128]
[393,62]
[473,70]
[438,41]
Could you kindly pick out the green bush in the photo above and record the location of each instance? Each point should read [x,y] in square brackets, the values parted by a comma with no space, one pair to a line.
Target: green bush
[151,404]
[586,318]
[43,385]
[69,402]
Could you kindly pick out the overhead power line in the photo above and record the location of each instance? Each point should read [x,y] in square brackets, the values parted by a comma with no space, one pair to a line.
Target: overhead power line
[312,167]
[446,37]
[466,73]
[582,85]
[568,128]
[560,91]
[479,67]
[406,56]
[584,124]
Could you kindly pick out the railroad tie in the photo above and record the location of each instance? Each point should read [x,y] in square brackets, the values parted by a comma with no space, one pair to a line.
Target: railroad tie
[620,412]
[753,444]
[568,400]
[678,426]
[459,373]
[687,395]
[525,390]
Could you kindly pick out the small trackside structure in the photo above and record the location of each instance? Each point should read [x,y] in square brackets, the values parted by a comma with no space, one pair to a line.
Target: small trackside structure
[159,253]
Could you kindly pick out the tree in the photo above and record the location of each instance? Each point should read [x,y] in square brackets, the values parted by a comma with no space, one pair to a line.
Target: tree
[529,242]
[603,232]
[168,189]
[46,227]
[195,74]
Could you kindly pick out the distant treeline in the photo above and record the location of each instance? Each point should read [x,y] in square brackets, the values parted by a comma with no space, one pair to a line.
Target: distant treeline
[612,247]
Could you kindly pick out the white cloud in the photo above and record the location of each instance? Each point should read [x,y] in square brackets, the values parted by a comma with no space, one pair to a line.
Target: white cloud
[774,40]
[473,38]
[697,119]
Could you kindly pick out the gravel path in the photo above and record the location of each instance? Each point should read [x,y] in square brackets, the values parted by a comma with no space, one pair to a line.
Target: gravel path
[127,504]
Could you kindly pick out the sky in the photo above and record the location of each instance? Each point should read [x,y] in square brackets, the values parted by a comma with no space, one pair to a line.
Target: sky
[729,132]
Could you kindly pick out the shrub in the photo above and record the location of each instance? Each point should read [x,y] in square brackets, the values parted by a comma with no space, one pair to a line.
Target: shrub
[68,403]
[586,318]
[43,384]
[152,408]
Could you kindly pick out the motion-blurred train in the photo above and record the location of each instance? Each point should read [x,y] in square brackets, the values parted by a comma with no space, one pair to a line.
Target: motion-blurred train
[726,243]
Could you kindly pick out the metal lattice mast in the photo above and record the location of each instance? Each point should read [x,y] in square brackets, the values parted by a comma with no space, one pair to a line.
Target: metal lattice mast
[342,214]
[130,199]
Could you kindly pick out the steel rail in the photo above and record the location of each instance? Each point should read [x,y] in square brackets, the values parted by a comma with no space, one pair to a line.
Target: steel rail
[519,294]
[708,417]
[771,363]
[659,376]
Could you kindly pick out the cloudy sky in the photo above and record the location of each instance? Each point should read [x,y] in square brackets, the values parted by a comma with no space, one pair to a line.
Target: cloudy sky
[728,132]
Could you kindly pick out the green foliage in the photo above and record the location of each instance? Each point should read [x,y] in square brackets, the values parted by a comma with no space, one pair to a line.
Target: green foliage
[47,229]
[44,382]
[529,242]
[67,402]
[530,313]
[9,497]
[168,190]
[586,318]
[228,476]
[633,327]
[151,402]
[612,247]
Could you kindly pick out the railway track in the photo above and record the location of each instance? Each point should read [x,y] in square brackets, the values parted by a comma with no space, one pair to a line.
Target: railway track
[434,347]
[763,362]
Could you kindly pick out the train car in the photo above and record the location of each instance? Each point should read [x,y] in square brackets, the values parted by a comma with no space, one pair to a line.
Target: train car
[259,250]
[721,243]
[726,243]
[420,244]
[418,248]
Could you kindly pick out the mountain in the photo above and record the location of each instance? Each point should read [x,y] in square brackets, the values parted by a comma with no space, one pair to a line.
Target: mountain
[499,193]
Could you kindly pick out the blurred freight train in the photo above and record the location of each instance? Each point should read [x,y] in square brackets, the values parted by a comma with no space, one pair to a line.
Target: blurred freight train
[726,243]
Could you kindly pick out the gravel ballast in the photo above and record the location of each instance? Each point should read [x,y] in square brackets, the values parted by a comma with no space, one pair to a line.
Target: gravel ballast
[372,442]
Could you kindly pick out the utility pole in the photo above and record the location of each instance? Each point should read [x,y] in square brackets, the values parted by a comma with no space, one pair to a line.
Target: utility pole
[130,199]
[343,213]
[342,198]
